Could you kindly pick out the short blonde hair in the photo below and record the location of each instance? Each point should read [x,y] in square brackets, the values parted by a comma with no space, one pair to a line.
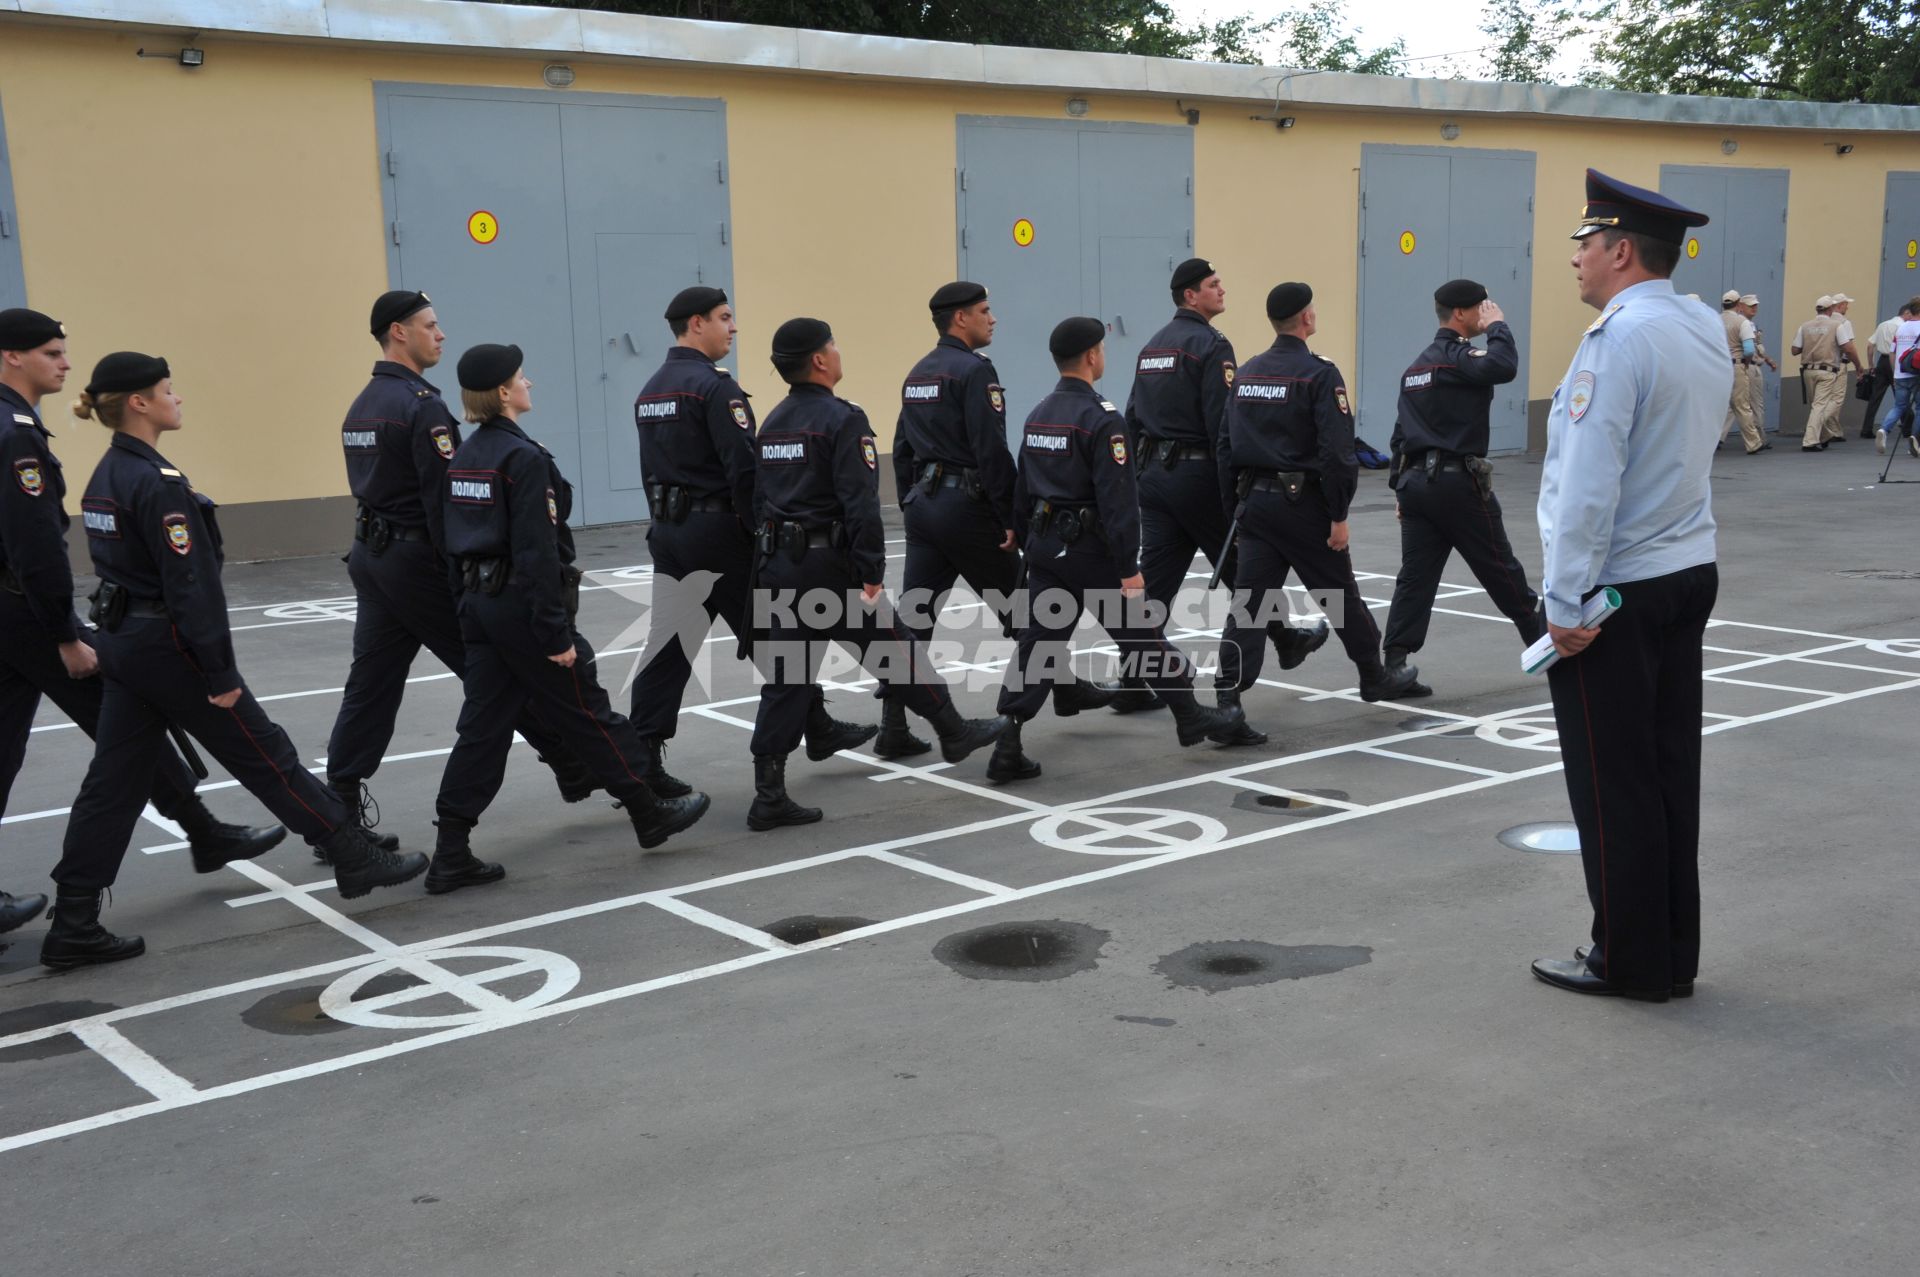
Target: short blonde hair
[109,409]
[483,405]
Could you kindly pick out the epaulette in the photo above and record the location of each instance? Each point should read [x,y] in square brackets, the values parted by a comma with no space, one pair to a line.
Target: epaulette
[171,473]
[1605,315]
[1109,407]
[22,419]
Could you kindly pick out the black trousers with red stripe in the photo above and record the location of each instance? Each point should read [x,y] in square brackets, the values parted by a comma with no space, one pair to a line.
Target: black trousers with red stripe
[1441,513]
[507,674]
[148,681]
[1628,710]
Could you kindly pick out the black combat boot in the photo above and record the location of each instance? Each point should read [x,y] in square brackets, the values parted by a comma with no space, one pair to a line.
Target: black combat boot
[961,736]
[1392,682]
[1070,698]
[78,940]
[360,805]
[1300,642]
[827,735]
[1136,700]
[656,819]
[1396,661]
[1243,732]
[17,911]
[1009,761]
[771,806]
[895,741]
[1195,722]
[575,782]
[360,863]
[215,843]
[454,864]
[655,773]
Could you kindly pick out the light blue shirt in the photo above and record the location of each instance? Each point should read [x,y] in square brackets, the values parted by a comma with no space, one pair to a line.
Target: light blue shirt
[1624,495]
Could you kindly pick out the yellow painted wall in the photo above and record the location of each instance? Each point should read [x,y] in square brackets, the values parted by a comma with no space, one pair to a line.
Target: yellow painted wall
[230,218]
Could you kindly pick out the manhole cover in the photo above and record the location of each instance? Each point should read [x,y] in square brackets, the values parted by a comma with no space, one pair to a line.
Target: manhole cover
[1555,837]
[1218,965]
[807,928]
[1023,950]
[1300,804]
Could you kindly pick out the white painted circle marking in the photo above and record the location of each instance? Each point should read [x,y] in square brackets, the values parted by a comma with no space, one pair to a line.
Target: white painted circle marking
[1909,648]
[337,1001]
[1535,733]
[1104,827]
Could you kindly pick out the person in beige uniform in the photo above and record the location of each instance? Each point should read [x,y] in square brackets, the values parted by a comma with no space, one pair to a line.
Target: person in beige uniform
[1761,365]
[1818,345]
[1742,342]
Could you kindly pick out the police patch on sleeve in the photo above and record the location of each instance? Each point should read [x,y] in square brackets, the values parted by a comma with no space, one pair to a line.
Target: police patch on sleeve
[26,473]
[739,411]
[1118,445]
[1476,353]
[998,398]
[442,442]
[868,454]
[1340,399]
[553,508]
[1579,396]
[179,535]
[1226,370]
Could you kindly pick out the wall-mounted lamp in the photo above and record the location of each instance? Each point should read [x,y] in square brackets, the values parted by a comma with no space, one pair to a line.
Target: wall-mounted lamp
[1077,107]
[1191,113]
[1449,131]
[558,75]
[1284,122]
[188,57]
[1841,148]
[1728,146]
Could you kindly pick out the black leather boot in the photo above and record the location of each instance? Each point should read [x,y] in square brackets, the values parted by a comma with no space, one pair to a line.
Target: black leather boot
[78,940]
[1243,732]
[895,741]
[360,863]
[771,806]
[827,735]
[656,819]
[17,911]
[215,843]
[1009,761]
[1195,722]
[570,775]
[454,864]
[1301,642]
[1136,700]
[1396,661]
[658,778]
[359,801]
[1070,698]
[1392,683]
[961,736]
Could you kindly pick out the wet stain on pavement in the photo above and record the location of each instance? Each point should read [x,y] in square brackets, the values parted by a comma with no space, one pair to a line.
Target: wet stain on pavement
[296,1012]
[1157,1021]
[39,1016]
[1216,966]
[1290,804]
[806,928]
[1029,951]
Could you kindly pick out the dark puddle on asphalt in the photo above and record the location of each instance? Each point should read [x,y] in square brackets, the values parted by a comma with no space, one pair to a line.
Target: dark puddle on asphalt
[1216,966]
[296,1012]
[1030,951]
[1288,804]
[1450,727]
[807,928]
[1157,1021]
[39,1016]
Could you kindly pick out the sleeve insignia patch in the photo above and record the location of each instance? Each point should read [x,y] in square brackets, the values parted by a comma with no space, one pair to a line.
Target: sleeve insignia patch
[1226,370]
[179,535]
[26,472]
[998,398]
[1476,353]
[553,508]
[1340,398]
[1118,444]
[868,454]
[739,411]
[442,442]
[1580,396]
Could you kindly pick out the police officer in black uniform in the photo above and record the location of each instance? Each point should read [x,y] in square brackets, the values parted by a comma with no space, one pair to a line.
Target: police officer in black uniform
[818,503]
[696,457]
[398,438]
[1079,513]
[955,478]
[1442,481]
[1177,421]
[166,656]
[506,512]
[1291,429]
[44,648]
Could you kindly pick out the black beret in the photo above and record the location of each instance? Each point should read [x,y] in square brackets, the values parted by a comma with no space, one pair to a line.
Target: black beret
[1460,294]
[1288,300]
[1191,272]
[125,371]
[392,308]
[1074,337]
[698,300]
[23,329]
[488,366]
[957,294]
[1613,205]
[798,338]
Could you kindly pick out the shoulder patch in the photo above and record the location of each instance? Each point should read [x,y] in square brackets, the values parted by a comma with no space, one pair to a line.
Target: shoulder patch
[739,410]
[1605,315]
[23,419]
[553,508]
[1580,395]
[442,442]
[998,398]
[26,473]
[868,453]
[1226,370]
[179,535]
[1340,400]
[1117,444]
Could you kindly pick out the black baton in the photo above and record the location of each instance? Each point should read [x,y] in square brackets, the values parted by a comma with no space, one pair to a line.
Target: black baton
[188,752]
[1243,489]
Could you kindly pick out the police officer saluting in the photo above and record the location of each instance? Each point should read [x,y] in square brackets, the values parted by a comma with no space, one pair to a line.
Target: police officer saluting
[506,515]
[1080,513]
[819,508]
[399,438]
[1443,485]
[44,650]
[1177,420]
[166,656]
[1291,429]
[955,478]
[697,456]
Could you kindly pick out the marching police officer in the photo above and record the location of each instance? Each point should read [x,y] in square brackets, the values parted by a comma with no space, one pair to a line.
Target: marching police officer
[1078,507]
[166,656]
[1177,420]
[506,507]
[1625,502]
[44,649]
[696,457]
[956,478]
[1443,484]
[398,439]
[818,502]
[1291,430]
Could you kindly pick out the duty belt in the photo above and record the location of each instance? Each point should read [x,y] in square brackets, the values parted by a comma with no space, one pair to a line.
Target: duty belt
[1068,522]
[1822,367]
[942,474]
[1171,452]
[151,608]
[798,538]
[394,531]
[1433,460]
[672,502]
[1742,360]
[1290,483]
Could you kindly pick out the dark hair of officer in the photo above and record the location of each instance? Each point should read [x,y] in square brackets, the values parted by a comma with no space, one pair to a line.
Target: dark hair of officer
[950,299]
[795,343]
[487,374]
[116,378]
[691,302]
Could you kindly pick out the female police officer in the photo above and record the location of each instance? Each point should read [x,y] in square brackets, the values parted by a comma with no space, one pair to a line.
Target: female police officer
[166,655]
[506,514]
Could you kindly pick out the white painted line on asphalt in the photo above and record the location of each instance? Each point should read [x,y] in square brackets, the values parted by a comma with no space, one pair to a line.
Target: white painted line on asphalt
[941,872]
[145,1072]
[718,922]
[1769,687]
[1431,762]
[1299,795]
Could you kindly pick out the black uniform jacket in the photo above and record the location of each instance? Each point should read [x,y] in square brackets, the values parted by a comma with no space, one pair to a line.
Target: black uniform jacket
[399,438]
[1446,396]
[819,465]
[952,410]
[1182,382]
[151,534]
[1074,452]
[1290,412]
[696,430]
[506,499]
[33,518]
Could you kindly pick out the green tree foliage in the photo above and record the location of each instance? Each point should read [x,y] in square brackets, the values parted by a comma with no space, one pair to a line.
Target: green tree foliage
[1527,38]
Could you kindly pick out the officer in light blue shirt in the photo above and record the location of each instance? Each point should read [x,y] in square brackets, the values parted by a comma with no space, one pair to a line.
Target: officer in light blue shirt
[1624,503]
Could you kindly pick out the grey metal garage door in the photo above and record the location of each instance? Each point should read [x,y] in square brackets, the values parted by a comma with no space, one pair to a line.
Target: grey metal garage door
[1899,253]
[1744,246]
[13,283]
